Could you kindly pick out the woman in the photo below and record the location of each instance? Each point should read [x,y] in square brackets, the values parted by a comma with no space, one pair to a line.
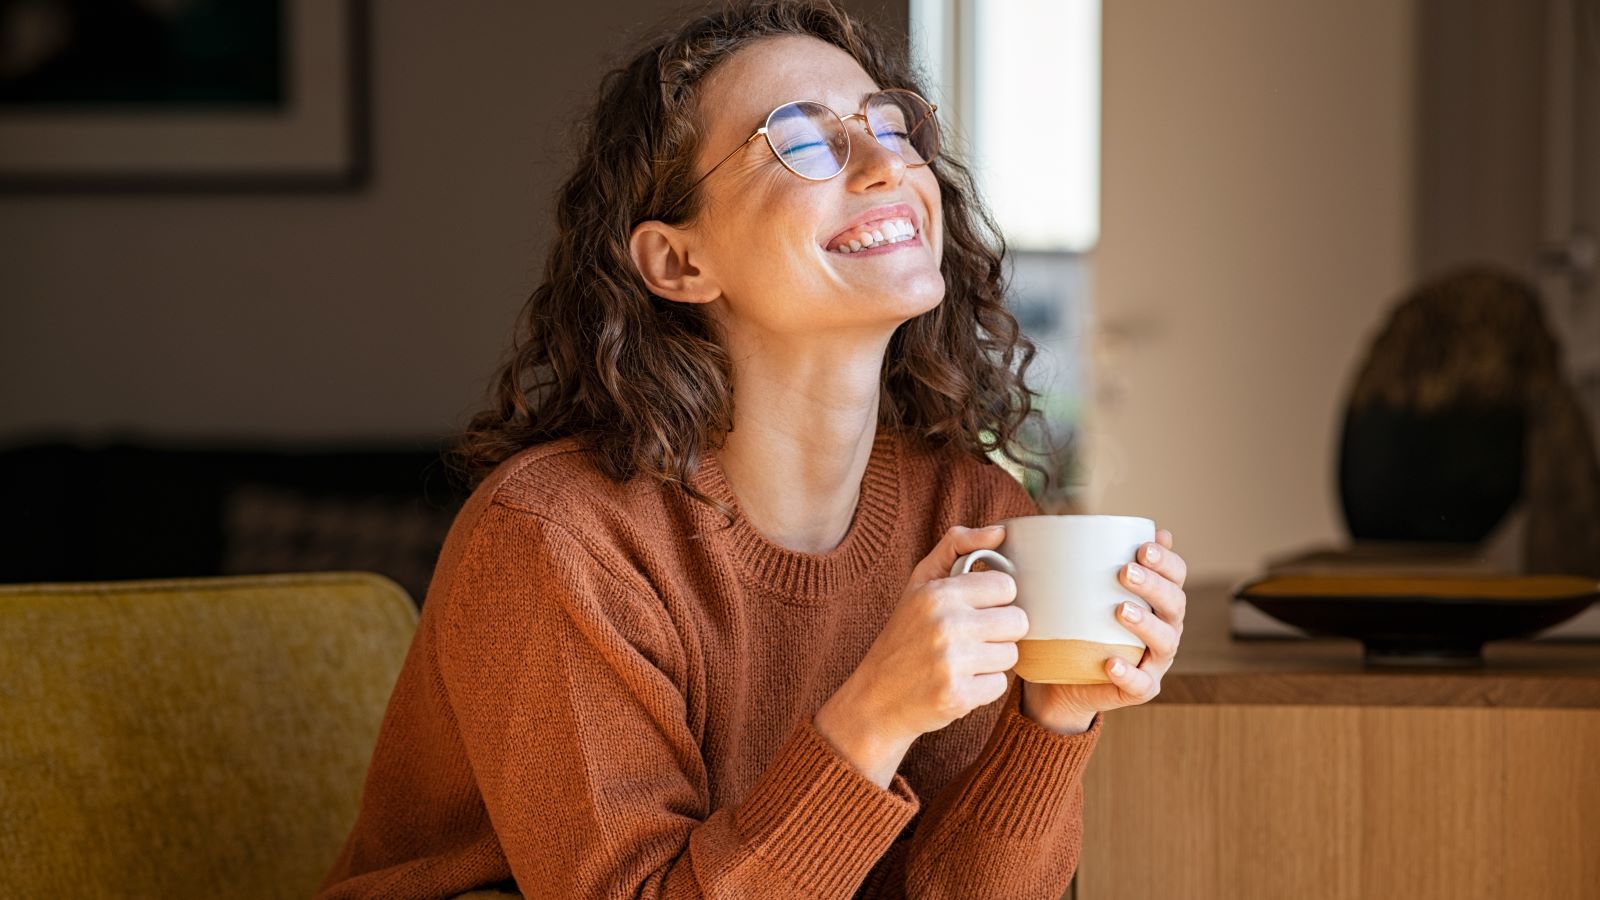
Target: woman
[687,636]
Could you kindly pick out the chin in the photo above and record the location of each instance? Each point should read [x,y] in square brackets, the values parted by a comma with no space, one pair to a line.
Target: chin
[910,303]
[926,291]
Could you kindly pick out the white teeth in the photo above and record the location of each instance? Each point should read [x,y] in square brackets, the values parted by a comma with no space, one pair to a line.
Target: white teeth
[891,231]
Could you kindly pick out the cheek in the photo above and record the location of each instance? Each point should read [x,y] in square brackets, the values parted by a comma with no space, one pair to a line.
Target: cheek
[783,224]
[928,186]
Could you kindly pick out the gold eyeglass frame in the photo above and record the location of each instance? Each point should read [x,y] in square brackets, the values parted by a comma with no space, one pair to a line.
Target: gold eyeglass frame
[849,145]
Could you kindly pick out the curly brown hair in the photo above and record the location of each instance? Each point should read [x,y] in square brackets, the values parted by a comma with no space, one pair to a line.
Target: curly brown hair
[645,382]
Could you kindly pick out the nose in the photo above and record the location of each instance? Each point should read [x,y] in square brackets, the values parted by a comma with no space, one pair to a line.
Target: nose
[871,163]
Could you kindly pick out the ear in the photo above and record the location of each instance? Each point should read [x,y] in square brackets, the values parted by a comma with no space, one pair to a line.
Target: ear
[669,262]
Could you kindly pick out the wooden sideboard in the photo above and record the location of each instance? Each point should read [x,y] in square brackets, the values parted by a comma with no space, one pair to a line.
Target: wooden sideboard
[1286,769]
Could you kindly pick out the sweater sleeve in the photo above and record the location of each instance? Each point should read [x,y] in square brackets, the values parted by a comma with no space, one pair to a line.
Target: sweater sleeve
[1010,825]
[565,679]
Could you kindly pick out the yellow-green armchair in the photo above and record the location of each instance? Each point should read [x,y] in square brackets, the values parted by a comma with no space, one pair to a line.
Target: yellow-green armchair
[202,737]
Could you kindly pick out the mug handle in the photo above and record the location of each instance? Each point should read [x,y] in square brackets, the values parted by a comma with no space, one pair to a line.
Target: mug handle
[963,564]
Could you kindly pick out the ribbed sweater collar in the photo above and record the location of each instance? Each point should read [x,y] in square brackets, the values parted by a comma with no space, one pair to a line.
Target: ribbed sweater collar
[797,575]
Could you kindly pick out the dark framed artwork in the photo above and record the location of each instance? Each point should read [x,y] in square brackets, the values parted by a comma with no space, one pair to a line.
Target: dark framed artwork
[180,95]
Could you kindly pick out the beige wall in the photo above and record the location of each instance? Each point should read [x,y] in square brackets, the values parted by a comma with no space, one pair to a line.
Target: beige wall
[1258,218]
[370,315]
[1257,211]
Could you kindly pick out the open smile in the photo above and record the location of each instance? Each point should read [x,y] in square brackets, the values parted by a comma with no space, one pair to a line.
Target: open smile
[876,237]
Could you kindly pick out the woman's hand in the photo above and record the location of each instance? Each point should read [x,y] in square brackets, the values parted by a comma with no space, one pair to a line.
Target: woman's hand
[1070,708]
[943,653]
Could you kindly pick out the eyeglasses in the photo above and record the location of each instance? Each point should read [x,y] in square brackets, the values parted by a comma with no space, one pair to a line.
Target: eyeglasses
[811,140]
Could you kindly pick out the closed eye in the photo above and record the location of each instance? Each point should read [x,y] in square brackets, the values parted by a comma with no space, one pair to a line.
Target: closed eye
[803,149]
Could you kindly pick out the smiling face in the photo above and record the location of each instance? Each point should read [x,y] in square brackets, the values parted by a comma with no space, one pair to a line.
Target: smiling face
[787,255]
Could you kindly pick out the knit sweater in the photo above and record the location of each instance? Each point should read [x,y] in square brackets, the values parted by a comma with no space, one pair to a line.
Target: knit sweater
[596,704]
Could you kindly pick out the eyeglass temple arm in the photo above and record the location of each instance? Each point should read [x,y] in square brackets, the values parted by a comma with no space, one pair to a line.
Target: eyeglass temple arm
[679,202]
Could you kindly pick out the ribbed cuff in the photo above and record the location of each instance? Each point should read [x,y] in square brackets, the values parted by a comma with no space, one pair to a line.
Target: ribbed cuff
[1026,774]
[820,818]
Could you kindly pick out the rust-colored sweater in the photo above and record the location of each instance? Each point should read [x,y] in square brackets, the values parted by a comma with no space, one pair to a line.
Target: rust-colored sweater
[595,705]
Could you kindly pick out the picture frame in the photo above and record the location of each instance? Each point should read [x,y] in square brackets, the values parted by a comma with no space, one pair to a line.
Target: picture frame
[215,103]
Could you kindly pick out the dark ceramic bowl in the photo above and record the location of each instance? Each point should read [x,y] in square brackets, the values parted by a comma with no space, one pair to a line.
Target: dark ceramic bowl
[1422,621]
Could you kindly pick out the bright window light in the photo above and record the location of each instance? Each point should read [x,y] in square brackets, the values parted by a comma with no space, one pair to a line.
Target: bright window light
[1020,80]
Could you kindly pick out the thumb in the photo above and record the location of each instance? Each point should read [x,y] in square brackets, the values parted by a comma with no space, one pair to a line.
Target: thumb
[957,541]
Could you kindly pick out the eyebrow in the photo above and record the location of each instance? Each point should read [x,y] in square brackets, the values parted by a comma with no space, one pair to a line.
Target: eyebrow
[860,102]
[755,129]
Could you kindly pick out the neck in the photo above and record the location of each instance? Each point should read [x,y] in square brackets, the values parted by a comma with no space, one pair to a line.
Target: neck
[803,430]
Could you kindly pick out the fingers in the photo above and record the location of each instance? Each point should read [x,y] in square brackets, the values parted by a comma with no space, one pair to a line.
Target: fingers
[1166,598]
[1002,623]
[990,687]
[958,540]
[979,590]
[1159,556]
[1136,684]
[1160,637]
[1000,657]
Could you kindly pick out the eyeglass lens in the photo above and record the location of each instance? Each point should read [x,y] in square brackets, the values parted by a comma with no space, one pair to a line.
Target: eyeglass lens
[811,140]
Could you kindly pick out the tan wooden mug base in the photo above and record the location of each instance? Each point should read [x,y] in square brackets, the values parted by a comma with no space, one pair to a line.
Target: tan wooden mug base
[1070,662]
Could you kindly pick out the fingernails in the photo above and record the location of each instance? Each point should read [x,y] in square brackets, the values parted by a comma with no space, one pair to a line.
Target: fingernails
[1117,668]
[1132,612]
[1135,573]
[1152,554]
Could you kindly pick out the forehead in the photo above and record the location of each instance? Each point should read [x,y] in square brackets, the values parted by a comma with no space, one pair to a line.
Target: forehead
[740,92]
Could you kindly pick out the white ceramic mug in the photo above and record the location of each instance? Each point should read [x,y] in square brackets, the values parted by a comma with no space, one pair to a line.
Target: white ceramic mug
[1066,569]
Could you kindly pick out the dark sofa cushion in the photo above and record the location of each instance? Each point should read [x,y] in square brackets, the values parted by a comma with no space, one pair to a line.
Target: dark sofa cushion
[128,509]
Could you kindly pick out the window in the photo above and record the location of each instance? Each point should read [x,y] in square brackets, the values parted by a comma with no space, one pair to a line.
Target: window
[1018,88]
